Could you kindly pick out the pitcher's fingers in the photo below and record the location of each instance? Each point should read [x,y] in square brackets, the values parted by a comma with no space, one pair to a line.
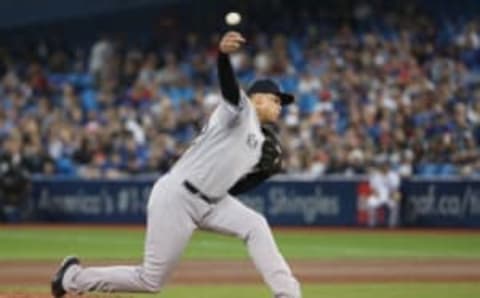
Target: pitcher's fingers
[235,35]
[239,37]
[233,43]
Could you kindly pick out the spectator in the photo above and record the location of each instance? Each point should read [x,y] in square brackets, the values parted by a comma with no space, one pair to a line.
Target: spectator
[14,179]
[385,186]
[101,53]
[409,92]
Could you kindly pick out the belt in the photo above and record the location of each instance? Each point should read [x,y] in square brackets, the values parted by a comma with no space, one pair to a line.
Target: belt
[195,191]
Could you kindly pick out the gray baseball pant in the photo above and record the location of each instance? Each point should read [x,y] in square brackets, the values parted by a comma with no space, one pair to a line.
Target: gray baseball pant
[173,214]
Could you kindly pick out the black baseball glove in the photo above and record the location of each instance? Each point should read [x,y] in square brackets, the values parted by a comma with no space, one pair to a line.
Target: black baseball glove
[270,163]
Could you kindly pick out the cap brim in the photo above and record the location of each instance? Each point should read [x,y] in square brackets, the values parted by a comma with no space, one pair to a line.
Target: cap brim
[286,98]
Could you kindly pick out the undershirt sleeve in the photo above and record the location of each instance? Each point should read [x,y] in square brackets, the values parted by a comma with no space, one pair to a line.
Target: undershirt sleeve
[228,82]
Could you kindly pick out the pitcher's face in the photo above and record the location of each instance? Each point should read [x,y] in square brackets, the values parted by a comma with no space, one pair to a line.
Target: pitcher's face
[268,106]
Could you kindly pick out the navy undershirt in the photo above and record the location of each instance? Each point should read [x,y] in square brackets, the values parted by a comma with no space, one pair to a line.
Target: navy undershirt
[228,82]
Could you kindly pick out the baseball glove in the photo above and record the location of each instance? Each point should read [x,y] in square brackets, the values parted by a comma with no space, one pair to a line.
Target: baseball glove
[270,163]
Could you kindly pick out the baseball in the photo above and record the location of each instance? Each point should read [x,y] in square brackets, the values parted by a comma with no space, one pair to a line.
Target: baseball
[233,18]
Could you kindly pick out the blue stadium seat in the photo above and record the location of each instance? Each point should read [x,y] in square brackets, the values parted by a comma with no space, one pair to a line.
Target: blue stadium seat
[307,103]
[447,170]
[89,100]
[427,170]
[289,83]
[58,79]
[65,166]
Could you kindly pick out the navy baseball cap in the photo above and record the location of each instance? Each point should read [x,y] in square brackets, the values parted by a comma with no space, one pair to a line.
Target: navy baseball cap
[269,86]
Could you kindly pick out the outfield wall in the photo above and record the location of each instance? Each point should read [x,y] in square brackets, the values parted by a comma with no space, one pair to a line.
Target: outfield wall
[328,202]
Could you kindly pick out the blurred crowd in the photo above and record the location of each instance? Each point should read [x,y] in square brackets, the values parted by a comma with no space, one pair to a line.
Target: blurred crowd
[402,87]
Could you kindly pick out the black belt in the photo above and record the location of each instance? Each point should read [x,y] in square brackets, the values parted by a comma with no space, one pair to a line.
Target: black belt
[194,190]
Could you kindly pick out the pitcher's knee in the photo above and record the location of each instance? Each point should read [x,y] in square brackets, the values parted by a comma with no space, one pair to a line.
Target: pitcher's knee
[151,283]
[152,288]
[258,224]
[254,225]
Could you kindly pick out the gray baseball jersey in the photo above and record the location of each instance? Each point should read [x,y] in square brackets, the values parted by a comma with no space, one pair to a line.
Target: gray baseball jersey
[228,148]
[212,162]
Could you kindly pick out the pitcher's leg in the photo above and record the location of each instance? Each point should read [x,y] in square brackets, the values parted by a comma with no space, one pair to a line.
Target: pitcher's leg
[169,228]
[231,217]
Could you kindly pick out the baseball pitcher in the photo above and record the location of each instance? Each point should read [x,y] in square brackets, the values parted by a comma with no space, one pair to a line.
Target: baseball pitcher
[235,151]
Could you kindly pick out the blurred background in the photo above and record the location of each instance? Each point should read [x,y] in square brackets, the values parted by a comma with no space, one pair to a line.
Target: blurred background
[116,90]
[99,98]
